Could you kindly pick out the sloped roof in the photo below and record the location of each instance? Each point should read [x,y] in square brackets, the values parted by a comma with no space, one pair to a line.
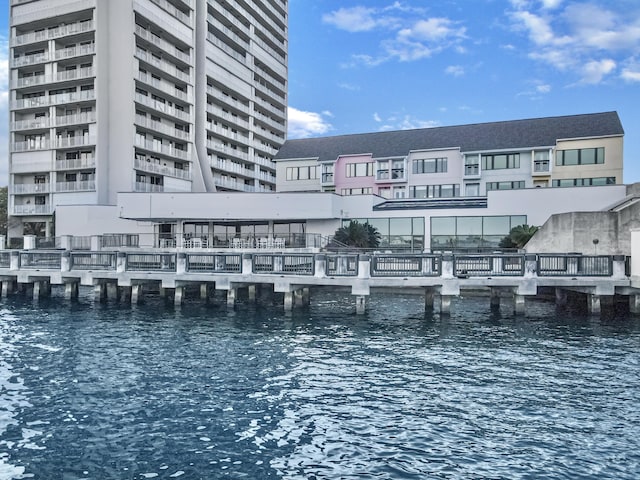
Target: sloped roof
[535,132]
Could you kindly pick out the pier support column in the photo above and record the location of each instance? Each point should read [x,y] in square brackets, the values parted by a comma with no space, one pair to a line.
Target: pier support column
[593,304]
[112,291]
[288,301]
[100,292]
[205,290]
[71,290]
[125,293]
[561,297]
[36,290]
[634,303]
[298,298]
[178,295]
[495,299]
[8,286]
[445,304]
[162,292]
[429,298]
[361,304]
[306,296]
[231,297]
[136,293]
[251,291]
[518,304]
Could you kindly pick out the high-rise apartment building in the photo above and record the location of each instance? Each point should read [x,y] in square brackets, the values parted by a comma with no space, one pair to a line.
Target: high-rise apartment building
[111,96]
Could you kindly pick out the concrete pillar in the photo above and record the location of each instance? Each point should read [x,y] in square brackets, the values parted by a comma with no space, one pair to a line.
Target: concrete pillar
[137,292]
[297,297]
[14,260]
[593,304]
[618,266]
[320,266]
[3,242]
[112,290]
[445,303]
[288,301]
[429,298]
[178,295]
[364,266]
[181,262]
[561,297]
[29,242]
[247,263]
[447,266]
[204,291]
[530,266]
[306,296]
[36,290]
[495,298]
[231,297]
[96,243]
[634,303]
[361,304]
[8,286]
[121,262]
[71,290]
[125,293]
[100,292]
[251,290]
[518,304]
[65,261]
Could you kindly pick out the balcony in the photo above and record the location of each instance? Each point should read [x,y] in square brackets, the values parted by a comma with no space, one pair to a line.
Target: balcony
[31,124]
[31,102]
[61,31]
[76,51]
[472,170]
[62,98]
[163,65]
[160,127]
[30,145]
[173,11]
[164,87]
[147,187]
[541,168]
[232,167]
[29,59]
[228,151]
[162,107]
[29,209]
[233,185]
[30,188]
[167,150]
[151,167]
[69,142]
[75,119]
[75,163]
[163,44]
[82,186]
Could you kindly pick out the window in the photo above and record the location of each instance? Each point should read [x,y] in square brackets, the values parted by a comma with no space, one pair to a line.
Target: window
[541,161]
[482,232]
[357,191]
[399,192]
[472,190]
[471,165]
[505,185]
[584,182]
[583,156]
[500,161]
[327,173]
[302,173]
[360,169]
[434,191]
[430,165]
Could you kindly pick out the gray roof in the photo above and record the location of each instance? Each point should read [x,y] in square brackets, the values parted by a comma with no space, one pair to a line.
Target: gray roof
[535,132]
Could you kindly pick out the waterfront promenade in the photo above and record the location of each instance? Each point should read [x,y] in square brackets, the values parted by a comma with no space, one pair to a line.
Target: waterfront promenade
[126,274]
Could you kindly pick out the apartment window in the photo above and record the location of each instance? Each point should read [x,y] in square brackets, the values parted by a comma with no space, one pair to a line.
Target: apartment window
[384,192]
[360,169]
[430,165]
[472,190]
[434,191]
[399,192]
[40,200]
[327,173]
[501,161]
[584,182]
[541,161]
[505,185]
[582,156]
[397,169]
[471,165]
[383,170]
[357,191]
[70,177]
[302,173]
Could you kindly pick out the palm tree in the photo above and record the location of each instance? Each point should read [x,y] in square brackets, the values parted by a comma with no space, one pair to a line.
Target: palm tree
[521,234]
[358,235]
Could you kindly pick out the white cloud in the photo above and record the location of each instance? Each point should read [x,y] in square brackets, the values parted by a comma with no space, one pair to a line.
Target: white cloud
[584,38]
[303,124]
[348,86]
[376,117]
[406,122]
[404,33]
[455,70]
[631,76]
[543,88]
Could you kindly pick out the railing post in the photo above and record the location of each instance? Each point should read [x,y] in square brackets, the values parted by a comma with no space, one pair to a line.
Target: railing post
[321,265]
[364,266]
[530,266]
[278,263]
[247,263]
[618,267]
[96,243]
[29,242]
[66,242]
[181,262]
[14,260]
[447,266]
[65,261]
[3,242]
[121,262]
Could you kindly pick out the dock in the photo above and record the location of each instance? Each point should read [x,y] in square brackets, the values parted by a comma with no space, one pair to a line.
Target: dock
[126,274]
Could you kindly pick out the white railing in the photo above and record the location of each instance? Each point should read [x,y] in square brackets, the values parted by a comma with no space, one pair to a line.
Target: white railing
[33,123]
[164,86]
[31,102]
[77,118]
[75,163]
[161,169]
[86,185]
[33,80]
[163,44]
[21,188]
[61,98]
[232,167]
[76,51]
[30,145]
[74,74]
[162,128]
[162,107]
[66,142]
[148,187]
[234,152]
[32,209]
[163,65]
[61,31]
[179,14]
[163,149]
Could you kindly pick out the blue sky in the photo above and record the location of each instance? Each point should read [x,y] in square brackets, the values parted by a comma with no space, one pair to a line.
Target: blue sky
[365,66]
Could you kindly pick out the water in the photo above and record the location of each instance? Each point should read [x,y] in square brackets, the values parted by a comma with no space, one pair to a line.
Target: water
[108,391]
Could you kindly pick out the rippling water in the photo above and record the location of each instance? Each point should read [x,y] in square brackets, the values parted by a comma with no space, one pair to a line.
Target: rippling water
[107,391]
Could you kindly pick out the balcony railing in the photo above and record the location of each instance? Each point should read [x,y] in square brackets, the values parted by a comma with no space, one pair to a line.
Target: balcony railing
[29,209]
[161,169]
[82,186]
[75,163]
[22,188]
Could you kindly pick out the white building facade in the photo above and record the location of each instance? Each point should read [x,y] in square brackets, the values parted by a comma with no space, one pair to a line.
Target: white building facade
[141,96]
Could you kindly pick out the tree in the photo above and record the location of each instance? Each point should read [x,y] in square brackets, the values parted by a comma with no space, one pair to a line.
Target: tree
[518,236]
[358,235]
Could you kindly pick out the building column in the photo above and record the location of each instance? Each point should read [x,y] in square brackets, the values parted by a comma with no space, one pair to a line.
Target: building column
[561,297]
[361,304]
[204,291]
[445,304]
[634,303]
[125,293]
[495,299]
[71,290]
[112,291]
[288,301]
[518,304]
[231,297]
[100,292]
[429,299]
[593,304]
[251,290]
[178,295]
[136,293]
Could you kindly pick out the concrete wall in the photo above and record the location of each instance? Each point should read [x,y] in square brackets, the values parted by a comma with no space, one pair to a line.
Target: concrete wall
[87,220]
